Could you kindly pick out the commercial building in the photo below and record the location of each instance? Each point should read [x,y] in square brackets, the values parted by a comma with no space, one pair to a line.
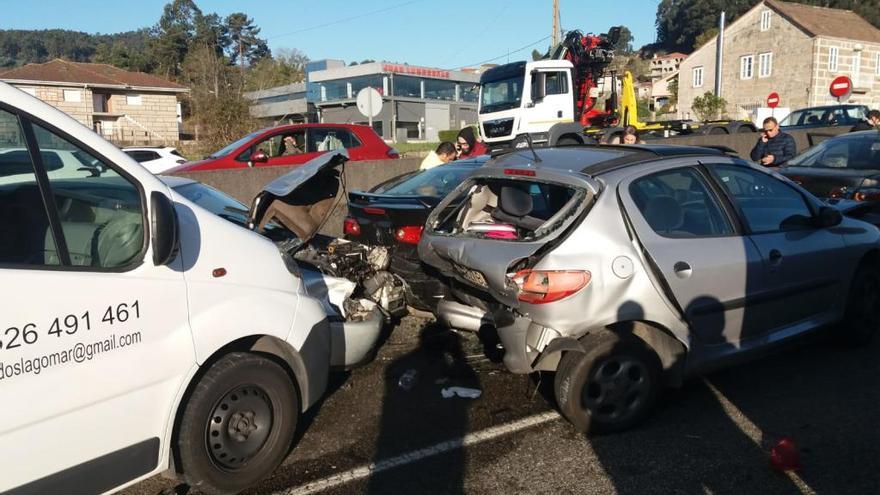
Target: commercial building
[127,108]
[790,49]
[417,102]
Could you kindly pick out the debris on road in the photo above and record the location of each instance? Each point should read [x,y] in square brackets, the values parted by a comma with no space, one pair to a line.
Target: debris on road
[784,456]
[464,392]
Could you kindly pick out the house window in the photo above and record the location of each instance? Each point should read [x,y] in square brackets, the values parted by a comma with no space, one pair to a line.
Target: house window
[856,68]
[765,20]
[133,100]
[698,77]
[877,64]
[832,58]
[765,61]
[73,95]
[745,67]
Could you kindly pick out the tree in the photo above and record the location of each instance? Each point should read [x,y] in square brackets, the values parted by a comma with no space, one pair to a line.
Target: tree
[709,106]
[172,35]
[536,55]
[673,91]
[246,47]
[287,67]
[624,42]
[705,37]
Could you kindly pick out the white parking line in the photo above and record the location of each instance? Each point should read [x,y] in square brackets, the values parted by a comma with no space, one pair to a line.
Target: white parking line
[417,455]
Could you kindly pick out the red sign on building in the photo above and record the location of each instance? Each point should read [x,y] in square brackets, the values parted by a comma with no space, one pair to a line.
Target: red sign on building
[412,70]
[773,100]
[840,86]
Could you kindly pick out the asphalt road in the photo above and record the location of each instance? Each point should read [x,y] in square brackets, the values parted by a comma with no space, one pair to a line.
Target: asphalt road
[711,436]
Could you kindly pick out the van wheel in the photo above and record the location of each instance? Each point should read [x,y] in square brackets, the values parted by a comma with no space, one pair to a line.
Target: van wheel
[863,306]
[238,424]
[611,387]
[568,141]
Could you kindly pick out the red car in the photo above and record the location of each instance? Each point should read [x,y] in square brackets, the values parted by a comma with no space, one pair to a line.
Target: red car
[295,145]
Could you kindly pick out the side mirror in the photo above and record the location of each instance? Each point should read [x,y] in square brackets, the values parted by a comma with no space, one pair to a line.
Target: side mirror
[163,228]
[259,157]
[828,217]
[538,90]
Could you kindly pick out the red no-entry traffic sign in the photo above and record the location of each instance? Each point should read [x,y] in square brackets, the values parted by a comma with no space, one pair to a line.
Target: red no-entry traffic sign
[773,100]
[840,86]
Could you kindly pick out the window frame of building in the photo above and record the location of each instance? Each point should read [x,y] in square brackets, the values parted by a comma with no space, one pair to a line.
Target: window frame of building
[856,68]
[697,76]
[72,95]
[134,100]
[833,58]
[877,64]
[765,64]
[765,20]
[746,62]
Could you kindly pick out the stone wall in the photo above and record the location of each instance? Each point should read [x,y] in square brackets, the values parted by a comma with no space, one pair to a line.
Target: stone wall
[867,83]
[743,143]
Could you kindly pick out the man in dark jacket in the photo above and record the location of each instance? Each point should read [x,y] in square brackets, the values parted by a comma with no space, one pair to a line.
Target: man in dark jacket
[871,122]
[775,147]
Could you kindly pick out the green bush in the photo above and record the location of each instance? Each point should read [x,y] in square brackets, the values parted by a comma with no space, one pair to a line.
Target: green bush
[449,135]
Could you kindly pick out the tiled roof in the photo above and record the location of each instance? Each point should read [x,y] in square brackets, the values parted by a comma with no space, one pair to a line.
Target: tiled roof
[63,71]
[822,21]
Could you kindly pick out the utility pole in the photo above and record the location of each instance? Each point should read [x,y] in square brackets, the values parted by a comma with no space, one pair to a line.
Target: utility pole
[555,37]
[719,55]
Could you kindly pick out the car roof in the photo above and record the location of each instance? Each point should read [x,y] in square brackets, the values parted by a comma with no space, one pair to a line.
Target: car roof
[597,159]
[175,182]
[823,107]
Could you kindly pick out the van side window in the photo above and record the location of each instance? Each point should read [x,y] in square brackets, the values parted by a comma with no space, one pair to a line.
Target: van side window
[25,236]
[99,210]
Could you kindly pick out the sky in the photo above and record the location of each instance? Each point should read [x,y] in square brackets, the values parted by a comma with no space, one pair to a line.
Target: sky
[447,34]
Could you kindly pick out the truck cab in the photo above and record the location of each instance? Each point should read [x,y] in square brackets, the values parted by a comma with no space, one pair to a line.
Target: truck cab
[528,98]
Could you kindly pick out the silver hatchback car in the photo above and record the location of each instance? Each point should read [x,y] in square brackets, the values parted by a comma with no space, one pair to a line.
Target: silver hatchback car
[626,269]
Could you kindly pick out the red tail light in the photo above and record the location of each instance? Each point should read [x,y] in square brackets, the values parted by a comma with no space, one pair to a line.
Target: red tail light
[351,226]
[544,286]
[374,211]
[409,235]
[837,193]
[867,195]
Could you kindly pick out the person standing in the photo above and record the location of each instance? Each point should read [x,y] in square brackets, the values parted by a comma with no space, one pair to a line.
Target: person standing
[871,122]
[775,148]
[467,144]
[444,153]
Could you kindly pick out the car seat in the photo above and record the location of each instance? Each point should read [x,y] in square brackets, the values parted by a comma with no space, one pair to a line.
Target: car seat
[514,207]
[664,215]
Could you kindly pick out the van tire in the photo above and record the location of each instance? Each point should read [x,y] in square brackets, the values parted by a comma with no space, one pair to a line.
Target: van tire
[238,424]
[568,141]
[633,381]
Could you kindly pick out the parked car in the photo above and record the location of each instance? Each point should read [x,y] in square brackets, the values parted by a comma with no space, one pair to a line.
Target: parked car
[156,159]
[843,167]
[141,334]
[393,214]
[268,147]
[624,269]
[824,116]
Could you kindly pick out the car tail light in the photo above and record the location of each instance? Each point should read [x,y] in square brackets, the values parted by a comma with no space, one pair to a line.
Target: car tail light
[544,286]
[837,193]
[351,226]
[392,153]
[373,211]
[867,195]
[409,235]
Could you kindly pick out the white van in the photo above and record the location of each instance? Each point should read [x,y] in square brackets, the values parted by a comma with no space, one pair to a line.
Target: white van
[140,333]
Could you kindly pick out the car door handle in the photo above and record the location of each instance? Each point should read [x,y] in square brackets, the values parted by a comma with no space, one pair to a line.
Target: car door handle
[682,269]
[775,257]
[559,114]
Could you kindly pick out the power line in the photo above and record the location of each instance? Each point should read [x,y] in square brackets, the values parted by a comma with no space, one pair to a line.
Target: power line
[505,54]
[347,19]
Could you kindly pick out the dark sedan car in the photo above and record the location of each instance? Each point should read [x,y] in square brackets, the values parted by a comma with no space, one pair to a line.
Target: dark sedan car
[826,116]
[393,213]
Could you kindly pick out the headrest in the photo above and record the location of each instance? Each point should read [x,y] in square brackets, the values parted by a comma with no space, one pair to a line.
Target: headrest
[663,213]
[514,201]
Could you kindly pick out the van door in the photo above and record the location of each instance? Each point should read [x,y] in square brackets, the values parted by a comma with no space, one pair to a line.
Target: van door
[94,339]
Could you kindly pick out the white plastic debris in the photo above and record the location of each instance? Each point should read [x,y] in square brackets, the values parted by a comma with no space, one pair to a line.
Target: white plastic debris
[464,392]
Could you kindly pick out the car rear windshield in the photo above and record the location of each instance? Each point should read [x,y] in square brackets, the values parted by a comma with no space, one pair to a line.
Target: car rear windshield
[509,209]
[857,151]
[436,182]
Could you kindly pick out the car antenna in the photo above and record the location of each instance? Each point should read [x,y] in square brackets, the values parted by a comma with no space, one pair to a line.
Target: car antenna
[532,149]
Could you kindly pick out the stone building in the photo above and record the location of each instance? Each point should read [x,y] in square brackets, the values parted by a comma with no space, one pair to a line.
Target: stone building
[663,66]
[127,108]
[791,49]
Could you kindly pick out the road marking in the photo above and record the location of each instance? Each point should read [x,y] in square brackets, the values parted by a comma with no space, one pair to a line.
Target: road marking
[417,455]
[754,433]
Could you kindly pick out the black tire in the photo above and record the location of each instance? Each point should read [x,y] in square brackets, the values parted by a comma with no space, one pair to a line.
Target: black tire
[862,317]
[624,398]
[238,424]
[717,131]
[568,141]
[743,129]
